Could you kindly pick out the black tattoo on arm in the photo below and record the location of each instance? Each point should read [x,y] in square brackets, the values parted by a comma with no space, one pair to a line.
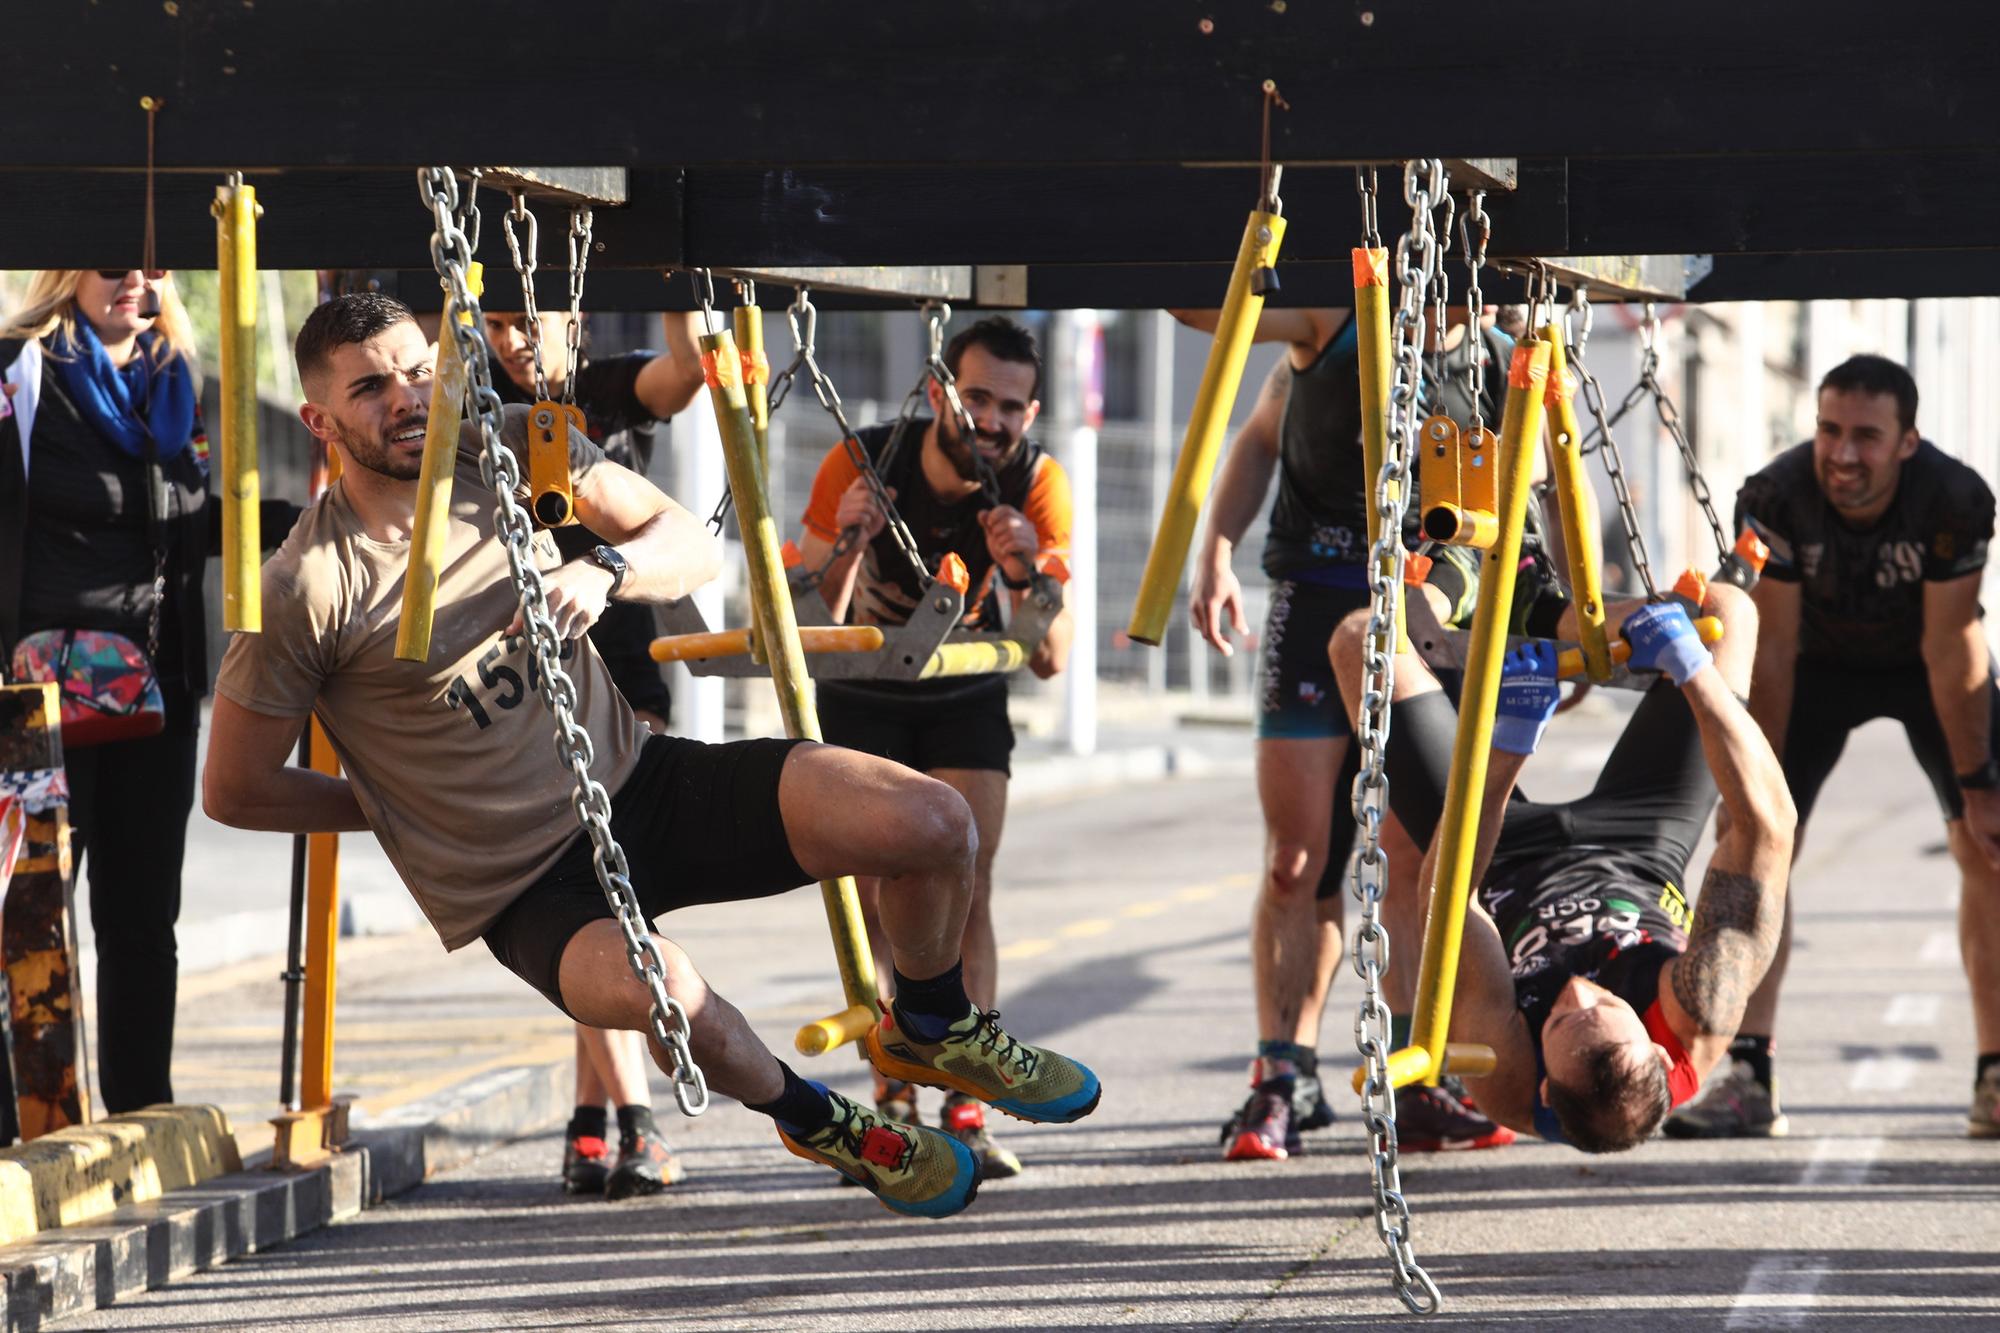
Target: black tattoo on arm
[1279,382]
[1735,936]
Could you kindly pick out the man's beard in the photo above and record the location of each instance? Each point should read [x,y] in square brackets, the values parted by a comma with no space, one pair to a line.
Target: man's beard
[374,454]
[962,453]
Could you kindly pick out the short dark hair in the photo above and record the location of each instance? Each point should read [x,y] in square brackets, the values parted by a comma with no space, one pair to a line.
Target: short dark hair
[1876,374]
[354,318]
[1624,1099]
[1002,338]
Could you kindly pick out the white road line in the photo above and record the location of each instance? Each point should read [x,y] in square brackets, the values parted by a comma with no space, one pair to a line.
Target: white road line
[1882,1073]
[1913,1011]
[1940,947]
[1779,1293]
[1842,1161]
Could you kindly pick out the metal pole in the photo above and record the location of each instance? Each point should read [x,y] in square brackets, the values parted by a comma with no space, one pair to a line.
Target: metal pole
[433,517]
[1376,356]
[1575,503]
[294,974]
[235,209]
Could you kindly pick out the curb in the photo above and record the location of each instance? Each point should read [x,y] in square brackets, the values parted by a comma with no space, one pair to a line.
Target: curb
[82,1172]
[141,1246]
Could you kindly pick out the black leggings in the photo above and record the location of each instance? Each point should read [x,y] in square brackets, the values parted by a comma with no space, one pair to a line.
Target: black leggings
[129,806]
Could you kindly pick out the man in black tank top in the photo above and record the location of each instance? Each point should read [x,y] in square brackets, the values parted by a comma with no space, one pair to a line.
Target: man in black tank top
[1306,433]
[1604,998]
[1870,607]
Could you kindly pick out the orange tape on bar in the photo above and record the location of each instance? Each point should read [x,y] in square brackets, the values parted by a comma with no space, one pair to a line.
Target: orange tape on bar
[1562,388]
[709,370]
[1371,267]
[756,368]
[1525,372]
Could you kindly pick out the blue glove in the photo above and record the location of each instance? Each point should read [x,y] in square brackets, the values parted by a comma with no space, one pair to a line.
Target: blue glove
[1528,695]
[1663,639]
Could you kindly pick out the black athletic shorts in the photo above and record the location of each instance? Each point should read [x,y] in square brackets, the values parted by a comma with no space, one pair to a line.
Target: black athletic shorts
[962,728]
[1651,801]
[699,824]
[1830,700]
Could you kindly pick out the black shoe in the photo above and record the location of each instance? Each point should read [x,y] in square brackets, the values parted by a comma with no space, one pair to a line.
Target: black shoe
[645,1166]
[1263,1130]
[586,1164]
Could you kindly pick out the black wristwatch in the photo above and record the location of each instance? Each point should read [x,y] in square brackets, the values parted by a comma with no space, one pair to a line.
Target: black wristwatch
[1027,582]
[607,557]
[1984,778]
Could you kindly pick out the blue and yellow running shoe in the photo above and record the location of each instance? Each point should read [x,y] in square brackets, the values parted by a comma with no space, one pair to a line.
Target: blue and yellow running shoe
[977,1057]
[915,1171]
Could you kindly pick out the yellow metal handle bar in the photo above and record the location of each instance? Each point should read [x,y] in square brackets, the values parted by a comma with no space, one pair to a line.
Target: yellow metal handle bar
[1412,1064]
[1220,379]
[738,642]
[433,516]
[236,212]
[850,1024]
[1578,507]
[973,659]
[1570,662]
[778,633]
[1458,831]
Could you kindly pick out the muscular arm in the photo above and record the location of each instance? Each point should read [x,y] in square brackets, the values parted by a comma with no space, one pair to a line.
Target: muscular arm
[667,384]
[1777,664]
[1741,907]
[1959,664]
[670,551]
[1239,494]
[249,781]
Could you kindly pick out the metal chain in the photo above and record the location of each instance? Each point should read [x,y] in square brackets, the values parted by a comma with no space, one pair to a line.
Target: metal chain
[579,260]
[1441,229]
[451,252]
[1371,227]
[1670,418]
[937,314]
[1416,266]
[524,268]
[1614,466]
[803,316]
[1475,230]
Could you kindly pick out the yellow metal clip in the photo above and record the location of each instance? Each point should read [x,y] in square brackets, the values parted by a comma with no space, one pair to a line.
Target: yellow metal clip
[1460,490]
[549,424]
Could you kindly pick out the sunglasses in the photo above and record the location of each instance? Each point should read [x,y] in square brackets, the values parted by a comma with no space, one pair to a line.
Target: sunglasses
[115,274]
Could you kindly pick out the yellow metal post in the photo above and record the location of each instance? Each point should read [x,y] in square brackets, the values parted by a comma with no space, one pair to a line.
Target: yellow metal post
[1376,356]
[413,630]
[778,635]
[1220,379]
[748,321]
[322,932]
[236,211]
[1451,889]
[1579,512]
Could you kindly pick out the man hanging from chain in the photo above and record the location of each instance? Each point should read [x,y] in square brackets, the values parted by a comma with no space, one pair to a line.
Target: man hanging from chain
[540,355]
[1870,606]
[1306,429]
[1604,995]
[449,763]
[955,730]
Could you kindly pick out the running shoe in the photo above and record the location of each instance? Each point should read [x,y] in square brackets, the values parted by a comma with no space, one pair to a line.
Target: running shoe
[910,1169]
[1264,1129]
[1310,1108]
[1983,1120]
[976,1056]
[645,1166]
[586,1164]
[896,1100]
[1435,1120]
[965,1120]
[1732,1106]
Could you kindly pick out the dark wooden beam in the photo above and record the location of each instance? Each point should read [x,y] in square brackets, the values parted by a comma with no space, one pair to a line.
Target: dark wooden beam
[909,82]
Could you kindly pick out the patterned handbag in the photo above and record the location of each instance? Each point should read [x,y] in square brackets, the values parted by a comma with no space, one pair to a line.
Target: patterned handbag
[109,691]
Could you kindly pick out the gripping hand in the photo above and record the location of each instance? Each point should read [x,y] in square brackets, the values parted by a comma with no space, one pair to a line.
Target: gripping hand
[1528,696]
[1663,639]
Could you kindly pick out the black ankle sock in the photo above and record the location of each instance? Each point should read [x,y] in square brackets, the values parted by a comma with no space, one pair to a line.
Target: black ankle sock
[801,1108]
[1755,1052]
[1987,1059]
[932,1005]
[587,1122]
[635,1120]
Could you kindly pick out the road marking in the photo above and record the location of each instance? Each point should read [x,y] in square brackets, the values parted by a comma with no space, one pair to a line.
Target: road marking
[1140,910]
[1842,1161]
[1913,1011]
[1940,946]
[1195,893]
[546,1051]
[1027,948]
[1779,1293]
[1882,1073]
[1240,881]
[1081,930]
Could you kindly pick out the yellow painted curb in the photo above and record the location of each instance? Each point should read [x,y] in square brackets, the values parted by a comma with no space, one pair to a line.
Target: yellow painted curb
[85,1171]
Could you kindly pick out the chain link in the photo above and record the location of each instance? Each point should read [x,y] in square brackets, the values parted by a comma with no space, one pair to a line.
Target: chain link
[579,261]
[937,314]
[1614,466]
[1417,257]
[451,252]
[524,268]
[1475,230]
[1670,419]
[1371,227]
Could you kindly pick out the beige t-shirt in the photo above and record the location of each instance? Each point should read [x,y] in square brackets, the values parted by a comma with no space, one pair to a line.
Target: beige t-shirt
[453,759]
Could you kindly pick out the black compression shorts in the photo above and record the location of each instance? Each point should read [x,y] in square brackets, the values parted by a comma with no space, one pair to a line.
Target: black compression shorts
[699,824]
[966,728]
[1828,701]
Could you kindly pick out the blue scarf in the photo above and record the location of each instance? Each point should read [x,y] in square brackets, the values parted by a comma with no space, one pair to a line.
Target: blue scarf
[142,408]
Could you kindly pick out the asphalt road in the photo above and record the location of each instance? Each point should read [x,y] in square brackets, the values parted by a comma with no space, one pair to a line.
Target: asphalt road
[1123,918]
